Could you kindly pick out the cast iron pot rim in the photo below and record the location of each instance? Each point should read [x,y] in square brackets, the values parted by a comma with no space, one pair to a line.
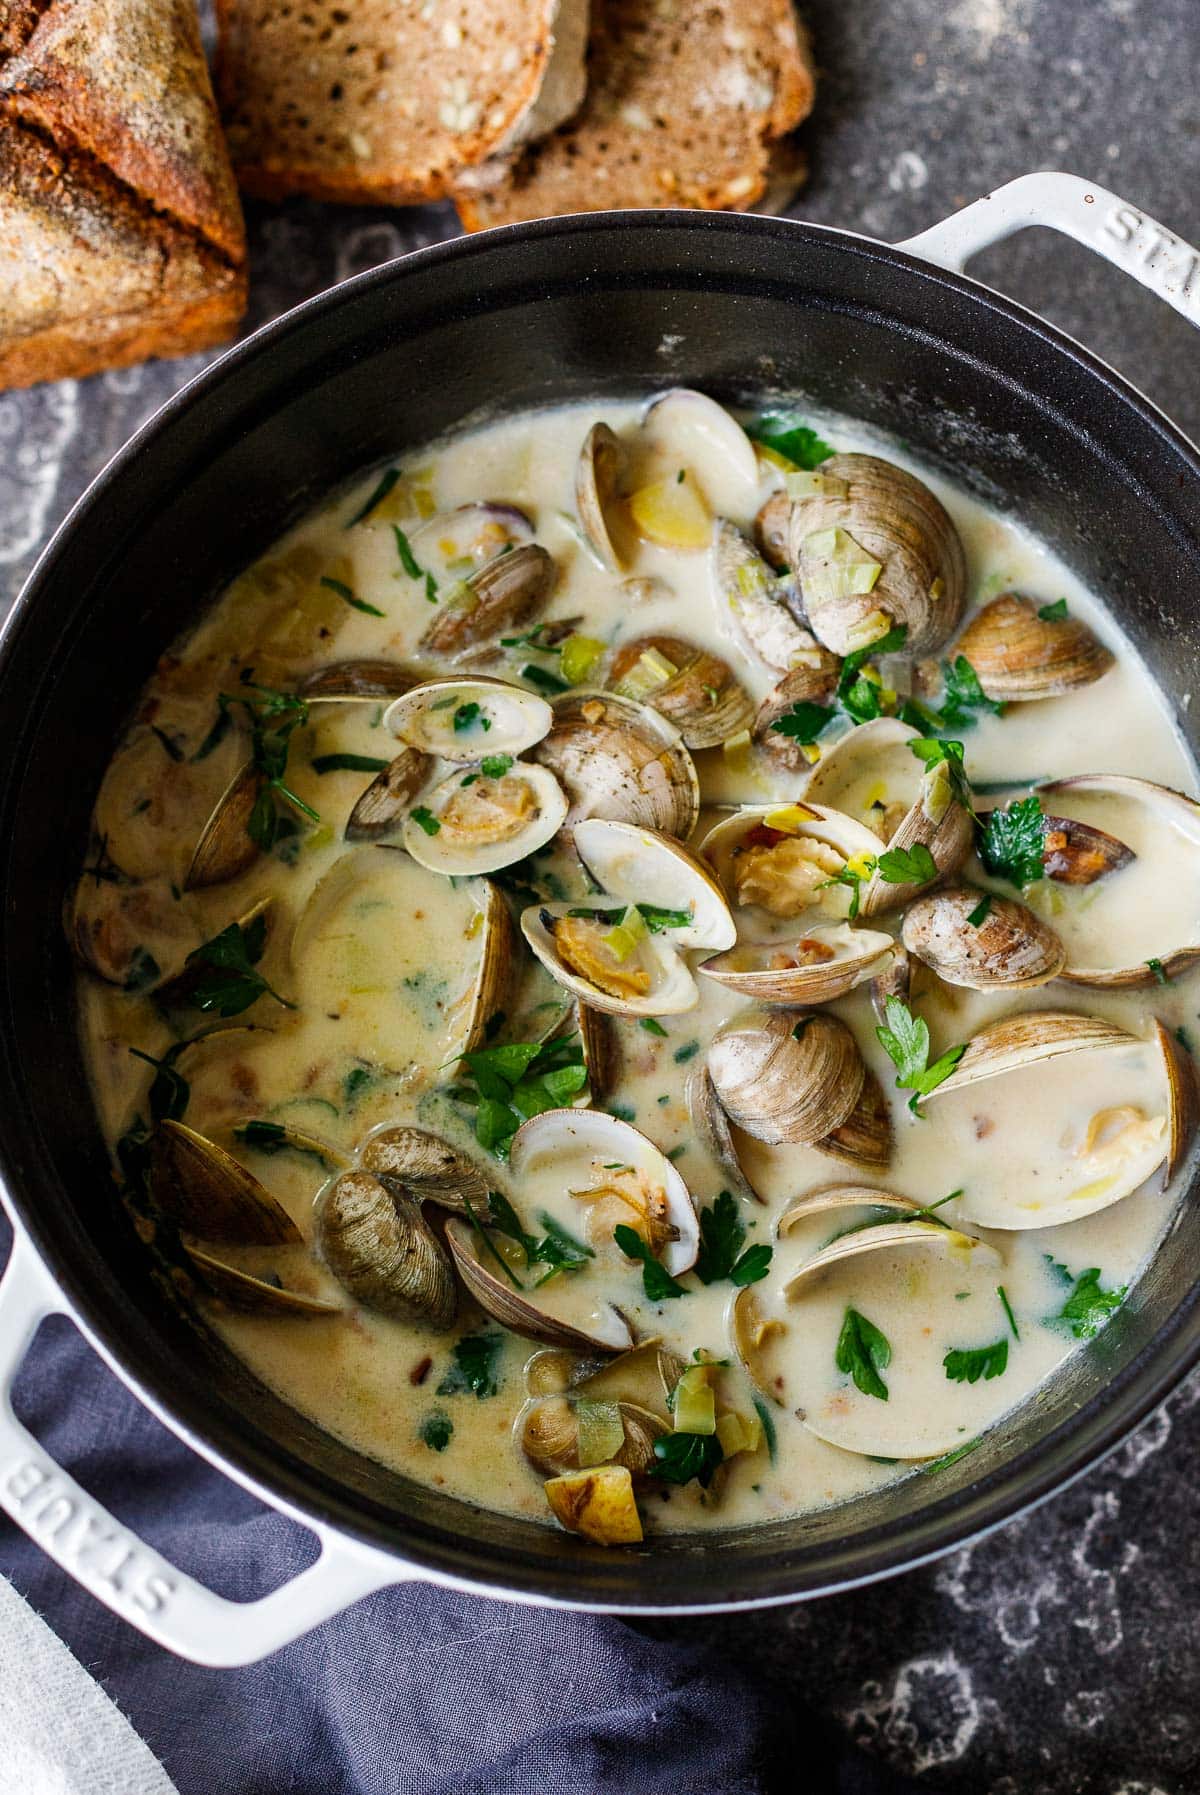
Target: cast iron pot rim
[938,1527]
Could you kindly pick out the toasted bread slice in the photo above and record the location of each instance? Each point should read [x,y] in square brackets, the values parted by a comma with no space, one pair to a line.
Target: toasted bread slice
[685,103]
[380,101]
[118,210]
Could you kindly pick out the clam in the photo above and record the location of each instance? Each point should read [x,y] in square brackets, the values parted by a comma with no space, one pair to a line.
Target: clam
[480,822]
[784,861]
[711,1125]
[464,720]
[883,1283]
[872,549]
[762,609]
[622,761]
[360,681]
[257,1296]
[560,1433]
[1020,654]
[506,593]
[773,529]
[692,430]
[1183,1099]
[205,1191]
[130,933]
[865,1137]
[382,1252]
[624,957]
[1162,830]
[597,477]
[226,849]
[895,980]
[452,543]
[872,774]
[592,1173]
[1092,1136]
[809,684]
[381,810]
[497,967]
[786,1075]
[1008,948]
[693,688]
[425,1168]
[841,1196]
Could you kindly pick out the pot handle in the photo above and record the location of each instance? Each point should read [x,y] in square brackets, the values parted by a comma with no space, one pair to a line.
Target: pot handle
[117,1567]
[1121,233]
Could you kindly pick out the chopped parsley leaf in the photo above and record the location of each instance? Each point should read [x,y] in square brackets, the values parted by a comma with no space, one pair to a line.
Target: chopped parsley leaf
[966,1365]
[1159,971]
[544,679]
[1089,1306]
[473,1371]
[863,1353]
[908,866]
[1012,841]
[219,977]
[345,592]
[408,560]
[1002,1293]
[436,1431]
[722,1234]
[657,1282]
[470,716]
[425,819]
[495,766]
[979,915]
[652,1026]
[787,435]
[375,497]
[348,763]
[1055,613]
[905,1040]
[519,1080]
[680,1457]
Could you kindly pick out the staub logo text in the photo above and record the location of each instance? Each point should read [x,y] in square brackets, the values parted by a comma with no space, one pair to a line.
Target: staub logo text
[1164,262]
[83,1538]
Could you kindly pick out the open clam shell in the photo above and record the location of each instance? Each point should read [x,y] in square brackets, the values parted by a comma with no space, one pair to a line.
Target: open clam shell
[810,684]
[872,774]
[824,962]
[462,720]
[454,542]
[692,687]
[552,1432]
[598,1042]
[761,609]
[226,849]
[1159,830]
[713,1133]
[894,1277]
[1008,948]
[1018,654]
[865,1137]
[773,529]
[622,761]
[474,823]
[506,593]
[1091,1138]
[382,808]
[597,479]
[498,959]
[691,430]
[359,681]
[624,957]
[877,544]
[256,1296]
[382,1251]
[210,1195]
[582,1173]
[786,1075]
[133,934]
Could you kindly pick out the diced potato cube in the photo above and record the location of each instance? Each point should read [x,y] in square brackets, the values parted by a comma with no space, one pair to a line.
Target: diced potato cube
[672,512]
[599,1504]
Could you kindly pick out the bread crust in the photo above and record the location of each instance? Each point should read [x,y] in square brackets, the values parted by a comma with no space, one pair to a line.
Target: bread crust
[410,129]
[684,108]
[120,220]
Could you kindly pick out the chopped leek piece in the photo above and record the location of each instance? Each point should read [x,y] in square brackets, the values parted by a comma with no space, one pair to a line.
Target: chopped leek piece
[579,656]
[693,1404]
[739,1433]
[628,934]
[648,672]
[601,1432]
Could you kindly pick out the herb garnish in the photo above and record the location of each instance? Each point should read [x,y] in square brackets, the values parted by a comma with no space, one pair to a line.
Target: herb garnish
[408,560]
[543,679]
[652,1026]
[979,915]
[1012,841]
[474,1367]
[1002,1293]
[519,1080]
[862,1353]
[169,745]
[964,700]
[424,817]
[657,919]
[1055,613]
[657,1282]
[469,716]
[272,1138]
[1159,971]
[678,1457]
[905,1040]
[495,766]
[167,1100]
[966,1365]
[1089,1306]
[908,866]
[220,976]
[557,1251]
[934,751]
[856,697]
[274,718]
[375,497]
[347,593]
[787,435]
[722,1234]
[436,1431]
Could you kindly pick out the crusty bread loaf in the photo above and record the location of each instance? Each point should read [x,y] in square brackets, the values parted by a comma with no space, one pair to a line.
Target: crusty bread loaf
[379,101]
[118,212]
[686,100]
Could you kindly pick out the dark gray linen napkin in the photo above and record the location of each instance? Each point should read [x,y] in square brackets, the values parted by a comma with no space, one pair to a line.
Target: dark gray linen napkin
[414,1691]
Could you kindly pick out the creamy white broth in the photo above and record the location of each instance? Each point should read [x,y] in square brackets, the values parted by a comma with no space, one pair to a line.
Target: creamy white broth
[380,1002]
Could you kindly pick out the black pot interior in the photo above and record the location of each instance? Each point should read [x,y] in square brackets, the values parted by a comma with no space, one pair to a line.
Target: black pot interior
[745,308]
